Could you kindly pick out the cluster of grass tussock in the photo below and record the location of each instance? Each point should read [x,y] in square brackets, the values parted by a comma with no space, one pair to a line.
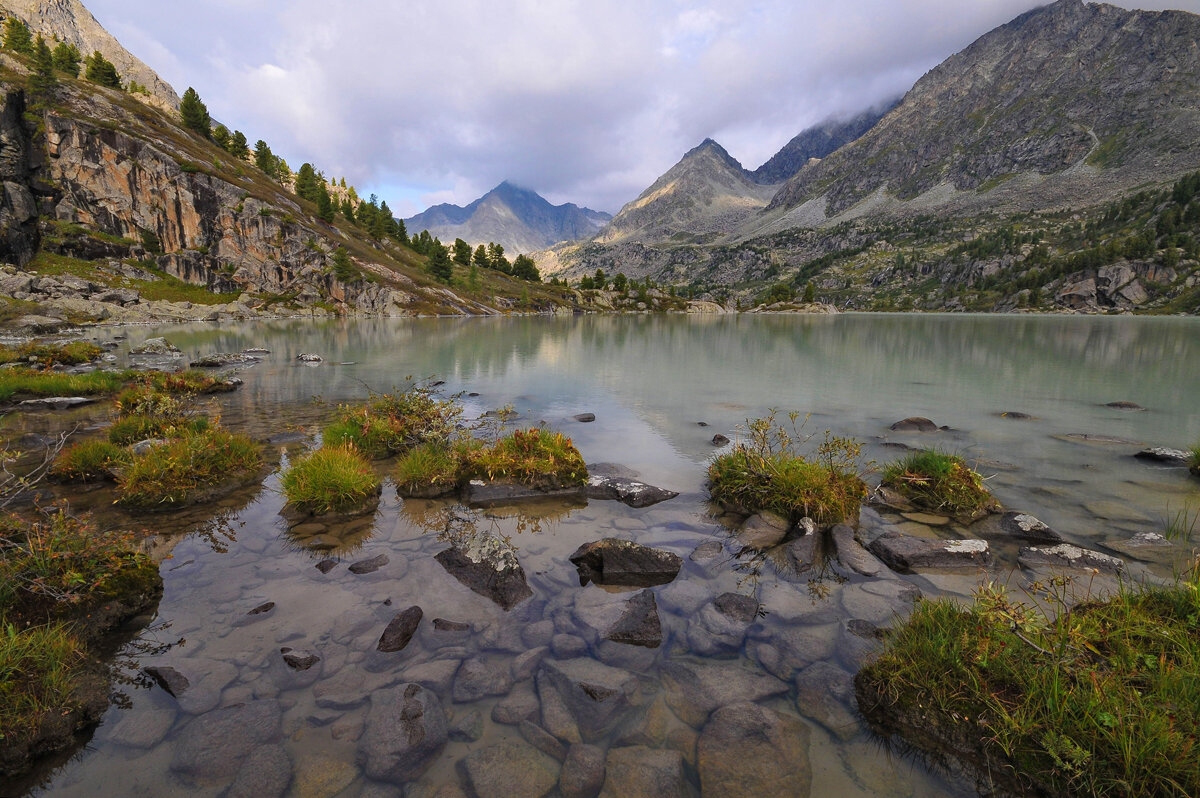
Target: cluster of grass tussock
[767,473]
[388,424]
[1103,699]
[192,461]
[20,381]
[429,469]
[334,478]
[537,457]
[1194,462]
[941,483]
[39,668]
[89,461]
[45,355]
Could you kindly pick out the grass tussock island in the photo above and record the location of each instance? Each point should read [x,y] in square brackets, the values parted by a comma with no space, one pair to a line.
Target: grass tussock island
[940,483]
[1194,462]
[766,472]
[1101,699]
[435,454]
[63,584]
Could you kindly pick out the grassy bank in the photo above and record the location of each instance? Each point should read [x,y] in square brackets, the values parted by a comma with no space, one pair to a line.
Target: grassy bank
[1101,700]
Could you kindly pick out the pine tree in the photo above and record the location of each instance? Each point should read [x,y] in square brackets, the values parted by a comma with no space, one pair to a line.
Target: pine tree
[810,292]
[526,269]
[401,232]
[481,257]
[348,209]
[44,82]
[221,137]
[100,70]
[439,265]
[343,268]
[386,222]
[17,36]
[264,159]
[306,183]
[238,146]
[194,113]
[324,205]
[462,252]
[67,59]
[600,280]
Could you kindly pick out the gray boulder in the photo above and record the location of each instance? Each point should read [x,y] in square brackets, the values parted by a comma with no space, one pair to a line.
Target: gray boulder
[597,696]
[695,688]
[509,770]
[639,772]
[213,746]
[405,732]
[582,774]
[746,749]
[1067,556]
[489,567]
[627,491]
[906,553]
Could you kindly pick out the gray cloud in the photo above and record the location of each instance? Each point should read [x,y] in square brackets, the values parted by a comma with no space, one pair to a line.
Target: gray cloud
[587,102]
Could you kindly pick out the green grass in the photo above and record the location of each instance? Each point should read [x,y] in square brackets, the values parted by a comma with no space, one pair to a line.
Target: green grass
[130,429]
[1194,462]
[89,461]
[786,484]
[536,457]
[38,670]
[940,483]
[428,468]
[391,423]
[334,478]
[172,474]
[1103,700]
[46,355]
[19,381]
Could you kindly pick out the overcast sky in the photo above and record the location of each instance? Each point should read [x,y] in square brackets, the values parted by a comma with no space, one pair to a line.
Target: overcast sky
[428,101]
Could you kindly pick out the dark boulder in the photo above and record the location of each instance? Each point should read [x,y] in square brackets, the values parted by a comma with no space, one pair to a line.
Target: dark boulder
[489,567]
[405,732]
[400,630]
[612,561]
[905,552]
[627,491]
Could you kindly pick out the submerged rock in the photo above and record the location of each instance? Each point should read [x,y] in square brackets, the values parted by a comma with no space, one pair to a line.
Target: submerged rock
[1026,527]
[299,660]
[213,746]
[763,530]
[582,774]
[369,566]
[405,733]
[612,561]
[639,625]
[489,567]
[400,630]
[914,424]
[694,688]
[746,749]
[627,491]
[596,695]
[169,679]
[639,772]
[905,552]
[1124,405]
[852,554]
[509,770]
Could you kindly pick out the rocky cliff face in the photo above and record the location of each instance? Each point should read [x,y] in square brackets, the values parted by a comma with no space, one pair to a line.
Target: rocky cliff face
[518,219]
[101,177]
[701,198]
[1090,92]
[71,22]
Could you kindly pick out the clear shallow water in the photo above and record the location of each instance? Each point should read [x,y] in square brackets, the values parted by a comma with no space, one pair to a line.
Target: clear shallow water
[649,380]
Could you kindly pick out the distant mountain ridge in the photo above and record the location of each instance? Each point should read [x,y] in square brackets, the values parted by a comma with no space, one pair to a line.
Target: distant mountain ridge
[817,142]
[71,22]
[517,218]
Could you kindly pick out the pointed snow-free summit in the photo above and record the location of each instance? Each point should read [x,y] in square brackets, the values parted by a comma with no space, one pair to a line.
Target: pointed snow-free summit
[518,219]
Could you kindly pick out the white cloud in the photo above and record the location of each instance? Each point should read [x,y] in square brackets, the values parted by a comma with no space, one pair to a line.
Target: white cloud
[582,101]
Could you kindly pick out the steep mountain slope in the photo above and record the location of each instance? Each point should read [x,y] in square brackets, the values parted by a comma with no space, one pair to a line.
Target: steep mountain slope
[704,196]
[1067,103]
[817,142]
[110,210]
[518,219]
[69,21]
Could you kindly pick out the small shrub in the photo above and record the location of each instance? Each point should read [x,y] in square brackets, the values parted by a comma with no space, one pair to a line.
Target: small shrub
[535,456]
[392,423]
[146,400]
[89,461]
[766,473]
[1194,463]
[199,458]
[940,483]
[334,478]
[428,469]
